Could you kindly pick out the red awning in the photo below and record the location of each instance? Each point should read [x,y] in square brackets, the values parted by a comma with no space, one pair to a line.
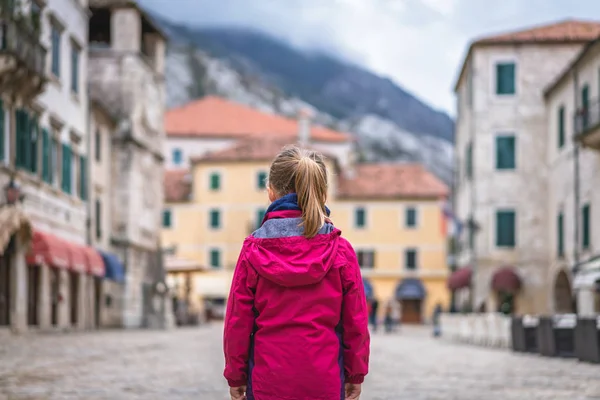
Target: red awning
[47,249]
[77,257]
[95,263]
[506,279]
[460,278]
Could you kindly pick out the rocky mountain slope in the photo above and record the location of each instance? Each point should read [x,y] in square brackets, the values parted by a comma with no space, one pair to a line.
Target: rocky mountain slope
[251,68]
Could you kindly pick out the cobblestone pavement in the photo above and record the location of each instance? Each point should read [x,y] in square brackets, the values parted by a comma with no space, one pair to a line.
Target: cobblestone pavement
[188,363]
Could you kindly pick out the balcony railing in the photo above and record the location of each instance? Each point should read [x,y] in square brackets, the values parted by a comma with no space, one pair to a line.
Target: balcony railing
[587,118]
[21,41]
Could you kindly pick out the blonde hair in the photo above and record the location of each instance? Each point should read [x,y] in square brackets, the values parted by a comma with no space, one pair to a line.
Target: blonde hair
[303,172]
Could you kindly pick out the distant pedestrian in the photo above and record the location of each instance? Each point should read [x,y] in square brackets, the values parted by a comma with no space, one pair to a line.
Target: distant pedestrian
[388,321]
[437,313]
[374,309]
[296,326]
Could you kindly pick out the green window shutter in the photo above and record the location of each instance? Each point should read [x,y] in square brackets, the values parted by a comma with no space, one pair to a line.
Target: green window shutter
[260,215]
[98,214]
[53,170]
[585,105]
[469,161]
[215,258]
[46,156]
[586,227]
[215,181]
[411,217]
[83,178]
[561,127]
[505,152]
[505,228]
[66,168]
[167,218]
[505,78]
[560,245]
[2,133]
[55,37]
[215,219]
[262,180]
[411,259]
[74,69]
[20,133]
[34,131]
[360,217]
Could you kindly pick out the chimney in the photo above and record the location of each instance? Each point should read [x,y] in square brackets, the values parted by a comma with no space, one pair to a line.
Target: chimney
[304,117]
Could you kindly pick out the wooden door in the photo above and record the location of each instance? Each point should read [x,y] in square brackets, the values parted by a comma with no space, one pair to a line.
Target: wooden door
[54,295]
[5,291]
[33,288]
[97,300]
[74,295]
[411,312]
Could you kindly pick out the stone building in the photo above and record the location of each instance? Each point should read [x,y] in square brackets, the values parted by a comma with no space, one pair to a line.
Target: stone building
[126,72]
[502,144]
[573,111]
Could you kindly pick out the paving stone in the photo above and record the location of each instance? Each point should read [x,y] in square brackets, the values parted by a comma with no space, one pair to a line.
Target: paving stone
[188,364]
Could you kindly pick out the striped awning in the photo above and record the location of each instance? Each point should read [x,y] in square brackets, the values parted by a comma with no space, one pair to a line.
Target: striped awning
[13,220]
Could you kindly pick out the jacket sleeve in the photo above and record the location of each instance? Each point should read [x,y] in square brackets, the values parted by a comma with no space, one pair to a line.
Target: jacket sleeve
[239,324]
[355,337]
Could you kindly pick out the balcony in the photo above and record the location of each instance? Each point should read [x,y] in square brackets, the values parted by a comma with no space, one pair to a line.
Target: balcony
[587,125]
[22,58]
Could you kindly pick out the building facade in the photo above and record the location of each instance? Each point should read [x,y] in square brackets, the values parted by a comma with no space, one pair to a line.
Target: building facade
[574,195]
[391,213]
[126,72]
[502,151]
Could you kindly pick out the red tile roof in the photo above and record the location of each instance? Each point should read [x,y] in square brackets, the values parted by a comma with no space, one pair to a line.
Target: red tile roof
[391,181]
[217,117]
[561,32]
[177,186]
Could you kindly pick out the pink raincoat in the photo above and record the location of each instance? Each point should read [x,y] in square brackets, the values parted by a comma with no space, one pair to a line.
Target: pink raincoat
[296,321]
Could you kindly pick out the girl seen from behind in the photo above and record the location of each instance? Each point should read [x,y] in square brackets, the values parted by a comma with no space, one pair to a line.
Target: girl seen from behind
[296,326]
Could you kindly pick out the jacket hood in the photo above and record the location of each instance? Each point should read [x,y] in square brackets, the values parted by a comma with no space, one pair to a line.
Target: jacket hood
[279,253]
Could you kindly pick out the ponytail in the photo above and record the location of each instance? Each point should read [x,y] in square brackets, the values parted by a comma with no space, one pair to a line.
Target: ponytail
[303,172]
[311,188]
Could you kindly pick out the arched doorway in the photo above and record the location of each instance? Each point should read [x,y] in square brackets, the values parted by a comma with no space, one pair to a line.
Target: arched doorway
[563,296]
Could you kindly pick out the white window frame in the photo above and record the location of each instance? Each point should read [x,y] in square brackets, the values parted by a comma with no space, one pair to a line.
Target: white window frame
[503,59]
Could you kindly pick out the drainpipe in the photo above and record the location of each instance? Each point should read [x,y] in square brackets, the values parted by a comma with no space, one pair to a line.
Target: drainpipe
[88,172]
[576,177]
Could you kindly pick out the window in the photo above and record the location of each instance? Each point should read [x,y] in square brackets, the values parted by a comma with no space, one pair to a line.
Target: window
[469,161]
[505,152]
[75,52]
[167,219]
[561,127]
[215,219]
[215,181]
[177,156]
[26,141]
[360,218]
[410,259]
[366,258]
[560,241]
[505,228]
[586,227]
[215,258]
[98,214]
[261,180]
[83,178]
[98,145]
[66,168]
[260,215]
[55,36]
[505,78]
[410,217]
[46,156]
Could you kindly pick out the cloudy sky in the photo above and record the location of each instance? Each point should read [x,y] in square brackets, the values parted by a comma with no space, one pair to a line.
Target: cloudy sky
[417,43]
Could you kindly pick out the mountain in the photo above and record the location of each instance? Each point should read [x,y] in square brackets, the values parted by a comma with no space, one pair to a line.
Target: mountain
[261,71]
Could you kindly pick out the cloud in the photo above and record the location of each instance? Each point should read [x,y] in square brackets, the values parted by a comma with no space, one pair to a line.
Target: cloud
[417,43]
